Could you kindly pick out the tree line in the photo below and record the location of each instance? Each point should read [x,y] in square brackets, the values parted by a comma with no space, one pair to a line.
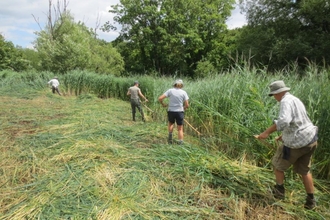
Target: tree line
[180,37]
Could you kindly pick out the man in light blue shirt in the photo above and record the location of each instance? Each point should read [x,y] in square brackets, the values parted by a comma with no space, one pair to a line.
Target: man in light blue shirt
[178,103]
[299,137]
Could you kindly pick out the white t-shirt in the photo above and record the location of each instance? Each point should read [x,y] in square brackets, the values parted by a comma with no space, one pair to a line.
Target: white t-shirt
[54,82]
[177,97]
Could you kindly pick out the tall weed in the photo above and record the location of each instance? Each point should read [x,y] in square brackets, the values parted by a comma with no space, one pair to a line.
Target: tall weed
[226,108]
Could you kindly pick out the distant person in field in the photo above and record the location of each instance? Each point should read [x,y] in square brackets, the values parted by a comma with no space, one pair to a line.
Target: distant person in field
[135,93]
[178,103]
[54,83]
[299,138]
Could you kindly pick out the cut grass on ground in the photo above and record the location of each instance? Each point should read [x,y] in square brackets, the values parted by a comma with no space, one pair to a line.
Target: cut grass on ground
[83,158]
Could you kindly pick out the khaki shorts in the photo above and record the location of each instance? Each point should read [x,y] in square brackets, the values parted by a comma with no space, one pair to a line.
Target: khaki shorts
[300,159]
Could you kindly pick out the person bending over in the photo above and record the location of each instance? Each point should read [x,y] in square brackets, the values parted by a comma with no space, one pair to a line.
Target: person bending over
[299,138]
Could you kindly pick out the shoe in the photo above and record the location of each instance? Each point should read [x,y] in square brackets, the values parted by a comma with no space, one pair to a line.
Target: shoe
[310,203]
[170,138]
[278,192]
[180,142]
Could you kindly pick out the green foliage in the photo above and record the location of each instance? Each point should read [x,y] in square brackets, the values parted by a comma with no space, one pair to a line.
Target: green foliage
[67,48]
[11,58]
[170,36]
[227,109]
[70,46]
[67,157]
[104,86]
[283,32]
[24,84]
[106,59]
[204,68]
[32,56]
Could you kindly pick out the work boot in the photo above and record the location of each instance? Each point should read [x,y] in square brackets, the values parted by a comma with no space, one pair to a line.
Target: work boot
[278,191]
[170,139]
[310,203]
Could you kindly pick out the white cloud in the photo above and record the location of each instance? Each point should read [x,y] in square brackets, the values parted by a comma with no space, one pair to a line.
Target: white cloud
[18,17]
[237,19]
[18,22]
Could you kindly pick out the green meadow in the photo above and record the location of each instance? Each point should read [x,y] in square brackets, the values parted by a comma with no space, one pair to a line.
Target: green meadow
[80,156]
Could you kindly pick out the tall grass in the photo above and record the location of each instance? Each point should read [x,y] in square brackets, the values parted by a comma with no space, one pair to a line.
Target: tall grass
[227,109]
[14,83]
[231,107]
[67,157]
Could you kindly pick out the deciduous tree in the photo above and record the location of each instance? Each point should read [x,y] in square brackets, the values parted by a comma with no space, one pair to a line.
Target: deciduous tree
[65,45]
[170,36]
[11,57]
[283,31]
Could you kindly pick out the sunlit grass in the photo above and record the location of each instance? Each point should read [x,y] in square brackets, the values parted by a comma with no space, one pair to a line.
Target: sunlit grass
[81,157]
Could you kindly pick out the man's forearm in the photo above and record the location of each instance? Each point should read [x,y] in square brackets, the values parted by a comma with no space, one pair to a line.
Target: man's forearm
[267,132]
[271,129]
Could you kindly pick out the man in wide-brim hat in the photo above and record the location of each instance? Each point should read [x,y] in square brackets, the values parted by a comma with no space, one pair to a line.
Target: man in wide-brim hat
[299,138]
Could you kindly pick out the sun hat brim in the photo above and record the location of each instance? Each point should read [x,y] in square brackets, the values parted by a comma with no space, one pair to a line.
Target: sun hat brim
[279,91]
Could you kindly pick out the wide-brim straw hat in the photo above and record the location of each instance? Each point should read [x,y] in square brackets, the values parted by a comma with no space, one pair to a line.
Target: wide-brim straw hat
[277,87]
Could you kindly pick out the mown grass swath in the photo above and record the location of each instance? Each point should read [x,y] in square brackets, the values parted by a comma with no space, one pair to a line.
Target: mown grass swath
[81,157]
[226,108]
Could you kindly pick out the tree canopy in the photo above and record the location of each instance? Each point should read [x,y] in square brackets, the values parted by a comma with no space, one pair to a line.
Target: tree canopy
[181,37]
[170,36]
[65,45]
[64,48]
[282,31]
[11,57]
[68,45]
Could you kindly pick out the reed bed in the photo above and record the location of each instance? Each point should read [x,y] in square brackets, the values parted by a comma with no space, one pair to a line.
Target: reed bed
[81,157]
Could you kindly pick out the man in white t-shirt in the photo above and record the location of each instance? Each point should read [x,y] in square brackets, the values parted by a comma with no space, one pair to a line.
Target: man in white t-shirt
[178,103]
[54,83]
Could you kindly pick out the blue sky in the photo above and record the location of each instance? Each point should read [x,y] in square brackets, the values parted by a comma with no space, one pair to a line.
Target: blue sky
[18,25]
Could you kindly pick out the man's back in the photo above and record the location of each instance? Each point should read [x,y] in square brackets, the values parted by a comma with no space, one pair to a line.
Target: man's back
[177,97]
[54,82]
[298,130]
[134,91]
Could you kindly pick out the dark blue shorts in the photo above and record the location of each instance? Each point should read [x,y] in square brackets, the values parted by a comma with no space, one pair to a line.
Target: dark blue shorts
[175,117]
